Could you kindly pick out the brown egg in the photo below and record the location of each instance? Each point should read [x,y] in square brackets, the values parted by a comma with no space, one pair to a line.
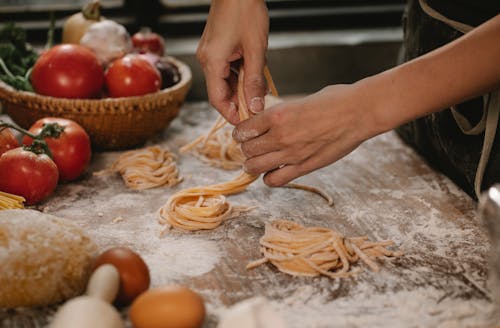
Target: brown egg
[134,273]
[168,307]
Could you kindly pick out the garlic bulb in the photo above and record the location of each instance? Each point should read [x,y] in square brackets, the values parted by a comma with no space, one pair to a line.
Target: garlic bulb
[108,40]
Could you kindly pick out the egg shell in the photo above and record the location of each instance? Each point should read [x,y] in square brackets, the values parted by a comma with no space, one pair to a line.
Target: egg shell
[168,307]
[134,273]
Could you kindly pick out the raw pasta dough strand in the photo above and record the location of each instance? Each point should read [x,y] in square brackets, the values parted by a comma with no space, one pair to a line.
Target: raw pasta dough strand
[10,201]
[148,168]
[217,147]
[302,251]
[315,190]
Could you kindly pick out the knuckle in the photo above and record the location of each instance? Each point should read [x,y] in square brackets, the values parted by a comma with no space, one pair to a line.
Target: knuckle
[304,168]
[255,81]
[250,167]
[276,117]
[236,134]
[281,138]
[272,181]
[292,156]
[201,56]
[245,149]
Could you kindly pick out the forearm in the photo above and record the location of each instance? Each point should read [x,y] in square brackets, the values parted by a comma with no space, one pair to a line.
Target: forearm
[465,68]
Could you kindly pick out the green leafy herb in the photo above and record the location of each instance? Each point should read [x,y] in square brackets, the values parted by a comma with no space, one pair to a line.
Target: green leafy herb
[17,57]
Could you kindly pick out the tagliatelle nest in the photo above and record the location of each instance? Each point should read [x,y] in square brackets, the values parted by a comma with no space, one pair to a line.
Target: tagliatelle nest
[302,251]
[148,168]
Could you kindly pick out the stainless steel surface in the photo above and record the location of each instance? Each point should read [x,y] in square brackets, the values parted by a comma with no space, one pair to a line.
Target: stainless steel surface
[489,208]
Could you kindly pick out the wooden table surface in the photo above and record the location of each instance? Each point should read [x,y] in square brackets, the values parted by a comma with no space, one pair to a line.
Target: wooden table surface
[383,190]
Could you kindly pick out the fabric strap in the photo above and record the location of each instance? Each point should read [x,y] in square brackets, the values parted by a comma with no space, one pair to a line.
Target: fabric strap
[489,120]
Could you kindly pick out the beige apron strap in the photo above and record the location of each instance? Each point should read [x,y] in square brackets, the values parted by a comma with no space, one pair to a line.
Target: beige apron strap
[464,124]
[491,110]
[492,107]
[464,28]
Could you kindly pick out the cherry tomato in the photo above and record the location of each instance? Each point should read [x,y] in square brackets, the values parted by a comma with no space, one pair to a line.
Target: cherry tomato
[71,151]
[147,41]
[27,174]
[68,71]
[132,75]
[7,140]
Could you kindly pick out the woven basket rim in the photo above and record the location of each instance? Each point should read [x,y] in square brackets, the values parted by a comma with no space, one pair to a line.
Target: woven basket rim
[10,94]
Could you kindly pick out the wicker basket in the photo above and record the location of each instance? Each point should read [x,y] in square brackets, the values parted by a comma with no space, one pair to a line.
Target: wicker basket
[112,123]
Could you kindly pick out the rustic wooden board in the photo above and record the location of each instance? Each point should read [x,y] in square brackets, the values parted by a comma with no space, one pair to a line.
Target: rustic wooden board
[382,190]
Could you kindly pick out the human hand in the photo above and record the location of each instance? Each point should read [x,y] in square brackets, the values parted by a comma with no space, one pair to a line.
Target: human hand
[234,30]
[296,137]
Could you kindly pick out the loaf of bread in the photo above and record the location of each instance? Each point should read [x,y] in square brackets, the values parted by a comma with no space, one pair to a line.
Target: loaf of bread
[43,259]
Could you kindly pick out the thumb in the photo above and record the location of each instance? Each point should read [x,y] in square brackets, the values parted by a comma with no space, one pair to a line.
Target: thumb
[254,82]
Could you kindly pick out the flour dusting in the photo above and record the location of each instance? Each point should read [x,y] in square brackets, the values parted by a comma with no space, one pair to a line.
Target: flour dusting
[405,308]
[175,258]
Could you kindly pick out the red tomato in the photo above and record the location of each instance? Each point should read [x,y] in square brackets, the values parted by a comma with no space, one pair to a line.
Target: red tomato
[147,41]
[132,76]
[27,174]
[7,140]
[68,71]
[71,151]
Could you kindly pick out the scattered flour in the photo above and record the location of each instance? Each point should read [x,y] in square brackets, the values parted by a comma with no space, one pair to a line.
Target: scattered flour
[174,258]
[405,308]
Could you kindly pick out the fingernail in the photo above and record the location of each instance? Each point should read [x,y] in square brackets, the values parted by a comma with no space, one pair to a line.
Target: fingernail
[257,105]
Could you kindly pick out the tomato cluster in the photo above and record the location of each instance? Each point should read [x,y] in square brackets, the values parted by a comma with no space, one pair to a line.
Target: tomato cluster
[54,149]
[74,71]
[57,149]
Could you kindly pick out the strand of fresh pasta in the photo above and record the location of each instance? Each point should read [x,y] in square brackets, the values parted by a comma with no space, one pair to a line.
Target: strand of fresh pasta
[302,251]
[315,190]
[148,168]
[10,201]
[217,147]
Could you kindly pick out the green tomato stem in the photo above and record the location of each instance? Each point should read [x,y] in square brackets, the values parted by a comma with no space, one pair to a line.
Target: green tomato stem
[5,69]
[39,145]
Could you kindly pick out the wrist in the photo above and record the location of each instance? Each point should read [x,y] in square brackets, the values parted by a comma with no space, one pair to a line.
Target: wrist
[377,115]
[397,96]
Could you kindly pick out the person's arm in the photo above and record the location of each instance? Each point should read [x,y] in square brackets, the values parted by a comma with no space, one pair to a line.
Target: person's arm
[297,137]
[235,30]
[460,70]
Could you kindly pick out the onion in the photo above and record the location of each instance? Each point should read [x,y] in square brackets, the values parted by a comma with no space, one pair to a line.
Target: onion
[76,25]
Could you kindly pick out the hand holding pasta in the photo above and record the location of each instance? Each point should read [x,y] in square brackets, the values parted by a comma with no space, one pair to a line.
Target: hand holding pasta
[202,208]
